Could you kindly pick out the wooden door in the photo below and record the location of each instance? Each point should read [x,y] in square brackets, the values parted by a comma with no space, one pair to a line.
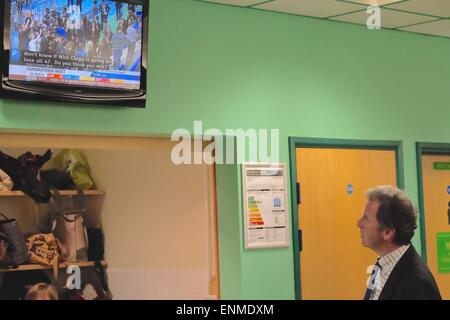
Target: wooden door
[436,204]
[333,263]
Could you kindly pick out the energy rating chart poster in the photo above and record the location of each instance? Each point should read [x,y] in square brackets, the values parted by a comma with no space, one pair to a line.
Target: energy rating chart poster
[265,207]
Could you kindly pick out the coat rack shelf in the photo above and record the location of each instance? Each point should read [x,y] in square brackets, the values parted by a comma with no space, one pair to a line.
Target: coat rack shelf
[62,193]
[29,267]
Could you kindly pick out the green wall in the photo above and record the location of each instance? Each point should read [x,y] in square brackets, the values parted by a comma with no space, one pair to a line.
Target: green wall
[244,68]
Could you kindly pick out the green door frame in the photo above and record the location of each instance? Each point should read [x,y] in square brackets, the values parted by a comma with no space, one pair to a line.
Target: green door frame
[421,149]
[296,142]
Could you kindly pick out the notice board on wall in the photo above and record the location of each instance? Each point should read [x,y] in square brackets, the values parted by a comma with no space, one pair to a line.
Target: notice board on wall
[443,251]
[265,209]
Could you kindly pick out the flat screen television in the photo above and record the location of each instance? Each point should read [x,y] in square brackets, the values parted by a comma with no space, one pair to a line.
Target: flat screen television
[84,51]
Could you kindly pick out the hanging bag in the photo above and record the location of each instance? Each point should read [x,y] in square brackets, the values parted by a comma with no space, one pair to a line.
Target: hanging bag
[18,250]
[69,228]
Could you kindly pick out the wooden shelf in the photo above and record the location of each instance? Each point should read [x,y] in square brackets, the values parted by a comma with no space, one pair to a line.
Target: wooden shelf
[62,193]
[29,267]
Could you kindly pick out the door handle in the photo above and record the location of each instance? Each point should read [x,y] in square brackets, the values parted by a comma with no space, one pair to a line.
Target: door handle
[448,213]
[300,240]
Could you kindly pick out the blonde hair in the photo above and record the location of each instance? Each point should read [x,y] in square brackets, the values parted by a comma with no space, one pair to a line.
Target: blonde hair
[42,291]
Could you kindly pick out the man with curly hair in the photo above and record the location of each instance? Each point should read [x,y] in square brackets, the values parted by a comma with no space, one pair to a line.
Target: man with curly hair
[387,227]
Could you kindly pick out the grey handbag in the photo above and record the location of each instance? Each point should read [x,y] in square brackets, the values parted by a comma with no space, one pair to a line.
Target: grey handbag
[18,250]
[69,228]
[5,246]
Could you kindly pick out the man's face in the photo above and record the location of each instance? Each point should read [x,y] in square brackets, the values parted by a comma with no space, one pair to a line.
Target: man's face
[371,234]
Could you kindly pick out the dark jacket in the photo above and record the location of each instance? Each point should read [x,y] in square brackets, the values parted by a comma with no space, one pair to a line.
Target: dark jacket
[410,280]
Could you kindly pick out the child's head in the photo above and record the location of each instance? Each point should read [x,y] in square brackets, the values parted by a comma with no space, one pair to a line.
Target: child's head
[42,291]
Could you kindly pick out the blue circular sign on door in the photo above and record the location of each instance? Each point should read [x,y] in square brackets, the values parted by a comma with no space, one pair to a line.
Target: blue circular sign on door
[349,188]
[448,189]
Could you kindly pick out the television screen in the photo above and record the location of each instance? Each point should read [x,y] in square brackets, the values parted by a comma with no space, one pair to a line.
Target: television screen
[76,44]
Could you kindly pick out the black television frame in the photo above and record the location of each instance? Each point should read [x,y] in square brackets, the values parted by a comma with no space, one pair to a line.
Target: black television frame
[29,90]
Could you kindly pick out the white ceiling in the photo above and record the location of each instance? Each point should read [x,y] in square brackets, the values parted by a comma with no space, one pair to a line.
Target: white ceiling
[431,17]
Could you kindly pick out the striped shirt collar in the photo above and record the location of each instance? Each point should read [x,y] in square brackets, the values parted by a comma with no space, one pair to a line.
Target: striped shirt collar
[387,264]
[388,261]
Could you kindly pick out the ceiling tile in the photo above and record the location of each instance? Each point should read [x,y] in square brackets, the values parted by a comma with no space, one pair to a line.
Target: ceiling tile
[389,18]
[439,8]
[313,8]
[438,28]
[375,2]
[242,3]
